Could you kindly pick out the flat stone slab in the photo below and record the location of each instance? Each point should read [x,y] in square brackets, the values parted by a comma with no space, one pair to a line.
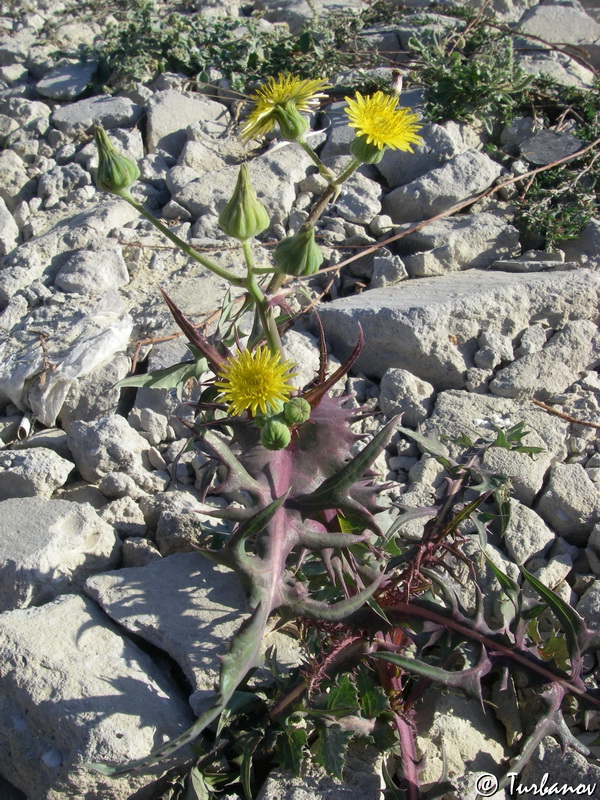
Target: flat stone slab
[110,112]
[184,604]
[75,690]
[48,546]
[430,326]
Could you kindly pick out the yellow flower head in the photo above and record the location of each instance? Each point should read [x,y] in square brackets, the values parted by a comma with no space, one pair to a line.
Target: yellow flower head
[377,118]
[275,98]
[256,380]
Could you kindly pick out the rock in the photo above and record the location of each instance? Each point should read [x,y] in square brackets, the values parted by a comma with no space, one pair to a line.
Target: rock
[551,370]
[40,256]
[67,82]
[93,272]
[430,326]
[456,732]
[137,552]
[565,24]
[359,200]
[589,604]
[456,413]
[110,112]
[585,248]
[558,67]
[184,604]
[15,47]
[9,230]
[440,144]
[27,473]
[387,269]
[125,516]
[547,146]
[117,484]
[592,551]
[106,445]
[96,394]
[462,176]
[272,174]
[48,546]
[61,183]
[549,765]
[403,393]
[15,184]
[532,340]
[570,503]
[169,114]
[86,695]
[494,348]
[461,242]
[361,778]
[295,13]
[526,535]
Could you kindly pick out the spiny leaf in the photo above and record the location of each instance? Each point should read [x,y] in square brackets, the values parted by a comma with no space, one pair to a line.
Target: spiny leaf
[373,700]
[340,698]
[289,752]
[332,489]
[431,444]
[572,624]
[195,786]
[330,748]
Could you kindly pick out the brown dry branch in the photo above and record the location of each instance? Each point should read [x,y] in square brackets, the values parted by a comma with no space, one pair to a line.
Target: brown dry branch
[562,415]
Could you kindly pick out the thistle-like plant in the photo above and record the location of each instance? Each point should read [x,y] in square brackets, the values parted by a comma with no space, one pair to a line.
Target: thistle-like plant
[291,449]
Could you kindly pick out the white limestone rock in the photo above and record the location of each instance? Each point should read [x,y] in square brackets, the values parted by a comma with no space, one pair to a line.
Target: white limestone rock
[106,445]
[565,24]
[67,81]
[48,546]
[526,536]
[403,393]
[462,176]
[457,413]
[555,367]
[9,230]
[110,112]
[76,690]
[37,471]
[169,114]
[430,326]
[93,271]
[570,503]
[359,200]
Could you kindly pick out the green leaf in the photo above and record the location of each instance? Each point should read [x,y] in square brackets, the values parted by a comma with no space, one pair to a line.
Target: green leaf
[330,748]
[342,697]
[290,749]
[195,786]
[170,377]
[373,700]
[430,444]
[572,624]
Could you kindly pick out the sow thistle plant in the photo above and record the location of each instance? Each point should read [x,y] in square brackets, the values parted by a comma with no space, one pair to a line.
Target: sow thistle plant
[376,620]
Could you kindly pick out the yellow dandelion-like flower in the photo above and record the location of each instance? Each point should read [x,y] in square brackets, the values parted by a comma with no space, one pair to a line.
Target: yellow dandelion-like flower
[377,118]
[256,380]
[275,99]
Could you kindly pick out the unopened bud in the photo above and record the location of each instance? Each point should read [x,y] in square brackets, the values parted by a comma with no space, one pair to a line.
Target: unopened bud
[275,435]
[296,411]
[244,216]
[116,173]
[366,153]
[292,125]
[299,254]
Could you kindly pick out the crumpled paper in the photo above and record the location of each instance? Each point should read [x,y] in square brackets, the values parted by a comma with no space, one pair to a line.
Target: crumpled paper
[39,389]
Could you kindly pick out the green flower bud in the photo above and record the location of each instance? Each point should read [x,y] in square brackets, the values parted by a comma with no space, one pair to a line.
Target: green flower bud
[292,125]
[244,216]
[366,153]
[299,254]
[296,411]
[116,173]
[275,435]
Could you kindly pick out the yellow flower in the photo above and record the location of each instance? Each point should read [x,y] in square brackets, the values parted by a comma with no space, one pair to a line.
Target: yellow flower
[256,380]
[377,118]
[279,101]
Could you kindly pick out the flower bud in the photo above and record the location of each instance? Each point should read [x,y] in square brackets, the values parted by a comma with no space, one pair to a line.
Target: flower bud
[366,153]
[292,125]
[244,216]
[299,254]
[296,411]
[275,435]
[116,173]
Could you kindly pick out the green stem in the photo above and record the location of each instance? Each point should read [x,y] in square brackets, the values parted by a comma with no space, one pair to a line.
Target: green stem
[325,172]
[265,314]
[184,246]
